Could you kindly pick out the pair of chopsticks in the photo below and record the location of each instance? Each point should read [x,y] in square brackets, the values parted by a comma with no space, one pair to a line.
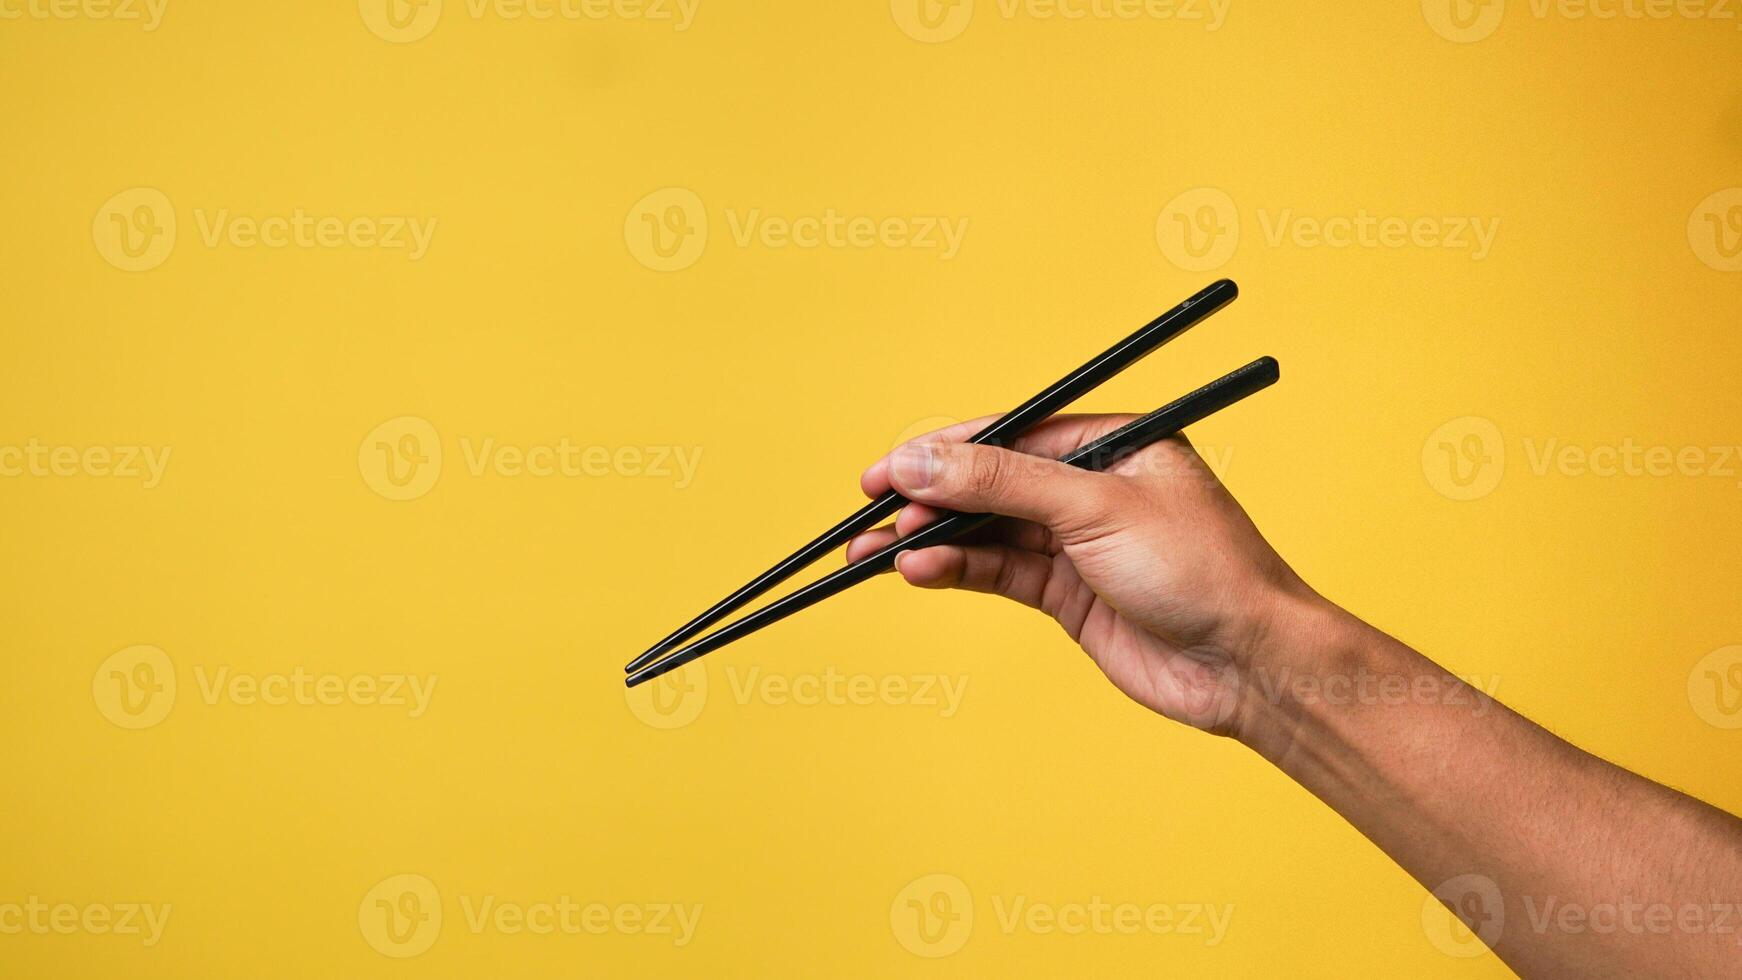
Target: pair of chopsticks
[670,653]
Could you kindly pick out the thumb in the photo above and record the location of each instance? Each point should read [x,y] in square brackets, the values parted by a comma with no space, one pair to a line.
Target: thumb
[1074,504]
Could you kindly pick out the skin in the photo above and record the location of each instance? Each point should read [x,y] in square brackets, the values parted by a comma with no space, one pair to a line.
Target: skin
[1158,574]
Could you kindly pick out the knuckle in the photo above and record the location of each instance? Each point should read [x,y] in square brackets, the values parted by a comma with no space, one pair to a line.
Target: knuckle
[985,474]
[1004,576]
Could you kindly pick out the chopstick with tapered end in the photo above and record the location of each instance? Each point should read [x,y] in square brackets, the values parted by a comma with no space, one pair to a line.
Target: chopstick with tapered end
[1037,409]
[1097,455]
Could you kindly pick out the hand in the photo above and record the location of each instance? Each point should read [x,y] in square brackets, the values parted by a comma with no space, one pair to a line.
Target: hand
[1151,566]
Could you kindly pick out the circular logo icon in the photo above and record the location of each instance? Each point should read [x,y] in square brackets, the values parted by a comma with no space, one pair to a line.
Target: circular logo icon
[1478,922]
[401,916]
[1464,21]
[671,700]
[400,21]
[1715,230]
[1465,458]
[1715,688]
[667,230]
[932,21]
[933,916]
[135,230]
[135,687]
[1199,230]
[401,458]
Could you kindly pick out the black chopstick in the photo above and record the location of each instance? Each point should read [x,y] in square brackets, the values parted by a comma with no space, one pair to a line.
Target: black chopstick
[1002,432]
[1097,455]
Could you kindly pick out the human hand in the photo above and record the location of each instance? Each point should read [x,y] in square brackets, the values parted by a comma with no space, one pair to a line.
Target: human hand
[1151,566]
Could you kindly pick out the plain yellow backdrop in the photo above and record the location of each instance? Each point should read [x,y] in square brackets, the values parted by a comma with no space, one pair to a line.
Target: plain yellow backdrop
[1095,170]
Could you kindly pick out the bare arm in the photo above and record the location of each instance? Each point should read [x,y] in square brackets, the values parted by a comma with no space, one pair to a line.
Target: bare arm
[1565,864]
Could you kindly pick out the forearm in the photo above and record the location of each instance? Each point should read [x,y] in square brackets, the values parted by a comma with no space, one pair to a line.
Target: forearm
[1450,783]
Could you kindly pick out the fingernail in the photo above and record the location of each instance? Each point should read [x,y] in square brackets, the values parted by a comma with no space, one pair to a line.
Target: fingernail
[913,466]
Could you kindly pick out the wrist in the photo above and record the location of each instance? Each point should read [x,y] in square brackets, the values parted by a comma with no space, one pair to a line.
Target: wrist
[1304,646]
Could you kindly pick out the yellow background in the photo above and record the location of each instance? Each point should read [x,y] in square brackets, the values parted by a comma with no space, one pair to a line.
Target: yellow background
[530,319]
